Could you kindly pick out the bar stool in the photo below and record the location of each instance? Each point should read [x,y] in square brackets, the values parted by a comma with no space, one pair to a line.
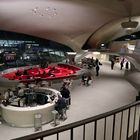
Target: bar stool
[38,122]
[64,114]
[55,114]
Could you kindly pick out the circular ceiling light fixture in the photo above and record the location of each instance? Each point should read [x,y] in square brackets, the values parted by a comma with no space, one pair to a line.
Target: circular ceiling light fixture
[128,25]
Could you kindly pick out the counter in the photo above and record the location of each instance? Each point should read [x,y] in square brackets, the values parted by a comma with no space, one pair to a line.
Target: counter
[24,116]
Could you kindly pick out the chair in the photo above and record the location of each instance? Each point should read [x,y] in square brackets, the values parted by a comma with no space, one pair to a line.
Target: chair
[55,114]
[64,114]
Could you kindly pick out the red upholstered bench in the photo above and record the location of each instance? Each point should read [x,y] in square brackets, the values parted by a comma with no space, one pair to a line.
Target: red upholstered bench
[23,77]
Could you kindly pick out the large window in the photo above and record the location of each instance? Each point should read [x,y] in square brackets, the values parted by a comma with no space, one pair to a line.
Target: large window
[20,49]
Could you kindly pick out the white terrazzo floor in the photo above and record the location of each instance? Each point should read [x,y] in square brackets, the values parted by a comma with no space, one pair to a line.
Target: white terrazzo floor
[108,91]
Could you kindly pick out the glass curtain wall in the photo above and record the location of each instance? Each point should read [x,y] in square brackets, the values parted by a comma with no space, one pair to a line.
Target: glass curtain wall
[23,50]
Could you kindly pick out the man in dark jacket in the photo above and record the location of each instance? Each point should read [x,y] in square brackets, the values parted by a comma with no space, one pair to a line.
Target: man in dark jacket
[66,95]
[60,107]
[65,92]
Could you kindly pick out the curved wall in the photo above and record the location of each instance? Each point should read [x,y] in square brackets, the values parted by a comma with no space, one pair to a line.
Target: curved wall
[133,75]
[24,117]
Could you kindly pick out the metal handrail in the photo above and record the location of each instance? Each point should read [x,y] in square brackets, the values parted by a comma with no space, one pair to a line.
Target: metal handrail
[76,124]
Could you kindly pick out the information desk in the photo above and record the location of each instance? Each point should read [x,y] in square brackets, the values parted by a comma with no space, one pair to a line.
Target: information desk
[24,116]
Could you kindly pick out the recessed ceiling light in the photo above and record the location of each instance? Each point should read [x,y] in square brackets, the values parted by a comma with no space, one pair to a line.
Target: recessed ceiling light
[133,35]
[127,39]
[46,11]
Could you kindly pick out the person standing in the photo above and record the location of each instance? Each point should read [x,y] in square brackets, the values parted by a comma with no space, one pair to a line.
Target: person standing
[66,95]
[97,70]
[127,65]
[60,106]
[112,63]
[122,63]
[97,63]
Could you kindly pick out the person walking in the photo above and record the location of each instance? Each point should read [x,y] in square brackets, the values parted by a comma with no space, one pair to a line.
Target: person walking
[97,70]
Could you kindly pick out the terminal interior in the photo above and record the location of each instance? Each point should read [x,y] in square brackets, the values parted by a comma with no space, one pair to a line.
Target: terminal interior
[95,99]
[88,49]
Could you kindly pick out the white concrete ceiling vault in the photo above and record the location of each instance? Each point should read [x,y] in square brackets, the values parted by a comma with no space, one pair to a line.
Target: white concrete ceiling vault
[70,22]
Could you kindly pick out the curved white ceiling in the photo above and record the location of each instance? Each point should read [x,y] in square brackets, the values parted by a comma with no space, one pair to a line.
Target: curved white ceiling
[110,32]
[72,22]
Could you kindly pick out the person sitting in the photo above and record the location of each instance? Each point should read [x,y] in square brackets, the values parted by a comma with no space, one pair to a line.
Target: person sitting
[25,72]
[50,72]
[20,92]
[21,95]
[1,98]
[44,74]
[7,95]
[42,65]
[18,73]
